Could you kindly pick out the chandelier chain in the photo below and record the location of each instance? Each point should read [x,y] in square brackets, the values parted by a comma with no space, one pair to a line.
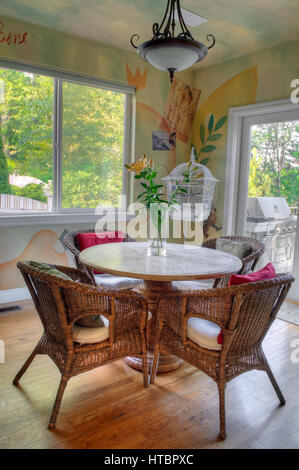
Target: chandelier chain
[169,27]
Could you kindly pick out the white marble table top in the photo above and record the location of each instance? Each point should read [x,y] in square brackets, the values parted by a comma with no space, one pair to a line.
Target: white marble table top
[181,262]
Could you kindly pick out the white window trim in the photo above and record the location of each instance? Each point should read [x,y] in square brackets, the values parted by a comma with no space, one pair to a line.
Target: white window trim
[69,216]
[236,180]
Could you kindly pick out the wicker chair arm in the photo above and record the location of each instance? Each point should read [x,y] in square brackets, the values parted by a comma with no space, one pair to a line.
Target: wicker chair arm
[254,256]
[86,300]
[280,279]
[69,243]
[211,304]
[97,309]
[215,304]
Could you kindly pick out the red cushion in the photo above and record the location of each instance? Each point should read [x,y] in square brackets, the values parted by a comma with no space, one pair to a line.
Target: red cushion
[268,272]
[86,240]
[220,338]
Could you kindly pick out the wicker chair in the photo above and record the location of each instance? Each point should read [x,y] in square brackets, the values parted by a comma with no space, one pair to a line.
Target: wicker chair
[248,264]
[102,280]
[60,303]
[244,313]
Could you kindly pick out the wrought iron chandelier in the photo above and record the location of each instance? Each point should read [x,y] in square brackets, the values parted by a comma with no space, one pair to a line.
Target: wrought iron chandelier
[170,52]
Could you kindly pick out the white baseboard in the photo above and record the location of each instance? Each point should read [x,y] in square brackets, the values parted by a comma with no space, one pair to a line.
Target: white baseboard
[14,295]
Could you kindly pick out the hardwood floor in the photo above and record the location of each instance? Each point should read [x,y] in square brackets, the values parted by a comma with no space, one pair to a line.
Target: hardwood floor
[108,407]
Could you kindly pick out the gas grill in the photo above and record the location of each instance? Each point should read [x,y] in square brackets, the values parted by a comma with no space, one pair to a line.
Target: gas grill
[269,220]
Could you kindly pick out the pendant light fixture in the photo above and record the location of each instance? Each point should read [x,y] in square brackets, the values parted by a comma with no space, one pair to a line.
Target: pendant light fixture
[169,51]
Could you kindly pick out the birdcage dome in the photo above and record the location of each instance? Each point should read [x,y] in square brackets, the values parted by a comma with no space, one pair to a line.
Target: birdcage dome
[199,190]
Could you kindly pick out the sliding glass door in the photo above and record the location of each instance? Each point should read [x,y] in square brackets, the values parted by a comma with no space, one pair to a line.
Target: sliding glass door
[262,180]
[273,191]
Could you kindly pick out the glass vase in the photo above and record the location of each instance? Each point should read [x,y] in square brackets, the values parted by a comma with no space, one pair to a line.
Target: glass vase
[156,247]
[158,229]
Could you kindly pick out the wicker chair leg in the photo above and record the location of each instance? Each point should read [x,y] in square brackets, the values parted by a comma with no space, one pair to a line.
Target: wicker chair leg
[275,386]
[25,367]
[145,370]
[56,407]
[221,390]
[154,366]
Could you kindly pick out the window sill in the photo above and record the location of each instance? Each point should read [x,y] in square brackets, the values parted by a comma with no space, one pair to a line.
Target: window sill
[56,219]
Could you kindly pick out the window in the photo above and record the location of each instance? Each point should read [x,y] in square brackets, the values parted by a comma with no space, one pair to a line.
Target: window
[64,140]
[92,146]
[26,141]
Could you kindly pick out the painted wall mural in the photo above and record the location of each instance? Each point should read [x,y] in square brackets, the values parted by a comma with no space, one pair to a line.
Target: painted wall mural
[12,37]
[195,107]
[209,134]
[180,108]
[164,140]
[41,246]
[41,243]
[240,27]
[136,79]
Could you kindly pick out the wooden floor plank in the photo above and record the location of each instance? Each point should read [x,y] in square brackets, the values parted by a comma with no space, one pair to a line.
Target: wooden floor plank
[108,407]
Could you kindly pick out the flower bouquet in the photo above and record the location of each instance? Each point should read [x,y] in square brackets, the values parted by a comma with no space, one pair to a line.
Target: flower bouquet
[157,204]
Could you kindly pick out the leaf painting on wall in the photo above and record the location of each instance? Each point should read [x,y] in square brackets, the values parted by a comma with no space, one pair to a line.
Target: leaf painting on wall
[207,136]
[209,126]
[209,132]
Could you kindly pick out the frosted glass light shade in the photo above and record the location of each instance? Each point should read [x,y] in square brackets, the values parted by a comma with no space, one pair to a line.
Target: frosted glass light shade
[172,54]
[171,57]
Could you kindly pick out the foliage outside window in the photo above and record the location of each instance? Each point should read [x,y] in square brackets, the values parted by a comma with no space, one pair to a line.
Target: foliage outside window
[274,165]
[93,132]
[91,143]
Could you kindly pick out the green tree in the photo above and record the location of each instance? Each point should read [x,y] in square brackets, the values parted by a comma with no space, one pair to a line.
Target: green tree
[27,115]
[32,191]
[274,166]
[93,127]
[4,180]
[260,183]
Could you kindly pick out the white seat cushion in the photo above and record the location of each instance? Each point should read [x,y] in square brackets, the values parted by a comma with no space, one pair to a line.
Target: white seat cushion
[194,285]
[204,333]
[84,335]
[116,282]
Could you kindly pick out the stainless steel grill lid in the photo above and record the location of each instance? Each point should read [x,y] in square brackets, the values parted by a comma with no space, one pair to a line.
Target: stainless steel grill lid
[268,208]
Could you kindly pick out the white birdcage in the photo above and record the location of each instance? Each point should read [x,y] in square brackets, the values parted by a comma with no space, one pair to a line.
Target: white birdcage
[200,190]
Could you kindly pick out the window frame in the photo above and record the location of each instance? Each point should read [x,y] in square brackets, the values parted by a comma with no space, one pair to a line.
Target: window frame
[58,214]
[236,179]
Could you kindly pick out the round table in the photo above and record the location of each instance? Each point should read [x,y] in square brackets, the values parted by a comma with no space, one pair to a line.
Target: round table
[181,263]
